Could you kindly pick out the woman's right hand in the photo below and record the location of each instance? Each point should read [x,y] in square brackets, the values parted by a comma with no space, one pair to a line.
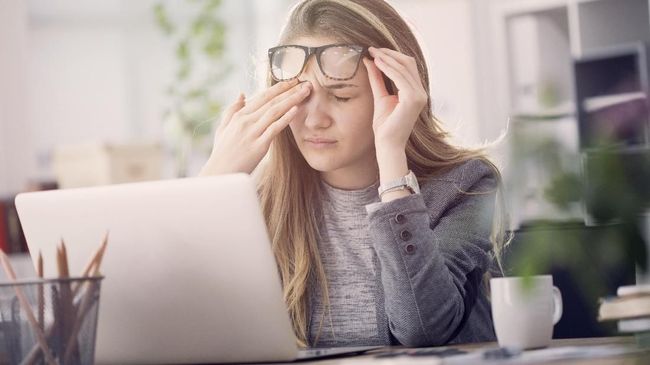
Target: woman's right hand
[247,128]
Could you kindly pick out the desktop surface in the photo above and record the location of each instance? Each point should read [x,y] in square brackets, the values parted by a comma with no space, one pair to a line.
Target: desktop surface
[576,351]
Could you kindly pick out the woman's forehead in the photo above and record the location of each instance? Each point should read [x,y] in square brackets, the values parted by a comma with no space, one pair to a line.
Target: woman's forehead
[313,41]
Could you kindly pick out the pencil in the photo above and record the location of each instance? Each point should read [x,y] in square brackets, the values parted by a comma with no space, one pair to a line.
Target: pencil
[96,259]
[68,308]
[22,299]
[64,261]
[86,302]
[41,294]
[84,307]
[94,263]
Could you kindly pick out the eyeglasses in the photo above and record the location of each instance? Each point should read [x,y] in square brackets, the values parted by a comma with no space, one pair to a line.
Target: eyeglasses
[336,61]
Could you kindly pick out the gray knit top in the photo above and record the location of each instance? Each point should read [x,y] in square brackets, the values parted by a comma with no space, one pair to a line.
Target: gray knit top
[408,271]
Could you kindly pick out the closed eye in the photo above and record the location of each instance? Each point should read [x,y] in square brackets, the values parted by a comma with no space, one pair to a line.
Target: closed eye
[341,100]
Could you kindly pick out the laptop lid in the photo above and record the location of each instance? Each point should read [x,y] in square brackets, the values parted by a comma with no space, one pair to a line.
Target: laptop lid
[189,272]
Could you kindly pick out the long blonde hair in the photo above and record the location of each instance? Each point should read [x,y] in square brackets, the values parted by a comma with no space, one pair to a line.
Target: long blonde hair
[289,188]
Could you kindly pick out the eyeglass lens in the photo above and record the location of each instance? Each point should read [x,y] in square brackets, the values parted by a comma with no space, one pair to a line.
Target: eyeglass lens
[337,62]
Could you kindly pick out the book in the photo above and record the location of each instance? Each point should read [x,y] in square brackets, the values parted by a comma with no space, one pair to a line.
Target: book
[643,339]
[623,121]
[15,238]
[633,290]
[4,231]
[634,325]
[624,307]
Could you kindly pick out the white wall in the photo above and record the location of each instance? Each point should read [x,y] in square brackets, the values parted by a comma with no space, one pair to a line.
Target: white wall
[15,159]
[96,70]
[445,31]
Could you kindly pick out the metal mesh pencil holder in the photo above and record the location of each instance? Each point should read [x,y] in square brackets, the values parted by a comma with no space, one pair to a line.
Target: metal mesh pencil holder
[50,321]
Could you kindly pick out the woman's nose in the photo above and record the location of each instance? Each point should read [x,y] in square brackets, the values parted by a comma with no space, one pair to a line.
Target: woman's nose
[315,116]
[314,106]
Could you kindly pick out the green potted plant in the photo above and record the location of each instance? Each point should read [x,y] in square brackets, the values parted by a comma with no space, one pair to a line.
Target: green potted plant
[193,103]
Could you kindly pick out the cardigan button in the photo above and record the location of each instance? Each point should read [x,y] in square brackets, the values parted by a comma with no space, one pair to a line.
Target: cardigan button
[400,218]
[410,248]
[405,235]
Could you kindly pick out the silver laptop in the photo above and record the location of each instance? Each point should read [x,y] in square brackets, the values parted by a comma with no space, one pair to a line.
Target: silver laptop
[189,272]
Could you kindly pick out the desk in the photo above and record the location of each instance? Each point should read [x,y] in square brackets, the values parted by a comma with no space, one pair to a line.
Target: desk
[639,358]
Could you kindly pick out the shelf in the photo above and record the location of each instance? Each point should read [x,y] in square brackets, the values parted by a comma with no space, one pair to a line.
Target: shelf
[597,103]
[561,63]
[612,89]
[606,74]
[563,110]
[605,23]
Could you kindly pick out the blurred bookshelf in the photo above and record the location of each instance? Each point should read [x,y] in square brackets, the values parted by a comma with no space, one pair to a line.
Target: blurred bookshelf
[12,238]
[565,73]
[580,62]
[612,91]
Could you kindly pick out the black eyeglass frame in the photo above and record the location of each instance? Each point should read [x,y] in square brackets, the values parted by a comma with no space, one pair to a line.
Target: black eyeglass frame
[363,51]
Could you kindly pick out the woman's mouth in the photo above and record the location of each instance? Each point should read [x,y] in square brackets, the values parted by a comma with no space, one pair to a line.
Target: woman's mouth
[318,142]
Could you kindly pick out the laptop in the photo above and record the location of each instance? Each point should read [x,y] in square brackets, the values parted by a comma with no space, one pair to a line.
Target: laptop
[189,272]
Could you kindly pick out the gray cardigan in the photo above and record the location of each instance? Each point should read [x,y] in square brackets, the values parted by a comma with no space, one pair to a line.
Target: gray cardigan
[433,250]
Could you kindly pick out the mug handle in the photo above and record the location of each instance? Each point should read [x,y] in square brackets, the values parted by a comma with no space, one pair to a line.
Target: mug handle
[557,305]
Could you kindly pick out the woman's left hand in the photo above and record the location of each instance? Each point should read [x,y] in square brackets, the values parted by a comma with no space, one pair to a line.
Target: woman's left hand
[394,115]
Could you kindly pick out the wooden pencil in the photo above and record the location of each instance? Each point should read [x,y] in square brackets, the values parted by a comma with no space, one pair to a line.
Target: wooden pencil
[68,307]
[93,264]
[24,303]
[86,302]
[84,307]
[96,259]
[41,293]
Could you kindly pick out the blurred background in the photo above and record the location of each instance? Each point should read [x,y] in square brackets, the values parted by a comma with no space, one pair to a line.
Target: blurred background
[150,74]
[108,91]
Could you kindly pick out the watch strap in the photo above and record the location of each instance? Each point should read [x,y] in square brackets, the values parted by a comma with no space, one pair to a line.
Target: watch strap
[405,182]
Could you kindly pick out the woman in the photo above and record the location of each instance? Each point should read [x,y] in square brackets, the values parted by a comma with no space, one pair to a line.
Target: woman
[365,255]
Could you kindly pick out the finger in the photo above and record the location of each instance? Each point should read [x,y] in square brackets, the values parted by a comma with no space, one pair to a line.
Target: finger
[403,85]
[407,62]
[399,56]
[377,84]
[297,89]
[278,126]
[232,109]
[280,109]
[262,98]
[403,70]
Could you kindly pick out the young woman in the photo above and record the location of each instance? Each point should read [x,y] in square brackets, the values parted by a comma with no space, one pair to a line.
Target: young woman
[382,230]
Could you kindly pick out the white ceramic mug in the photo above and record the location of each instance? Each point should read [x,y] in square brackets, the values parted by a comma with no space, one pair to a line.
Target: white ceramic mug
[524,313]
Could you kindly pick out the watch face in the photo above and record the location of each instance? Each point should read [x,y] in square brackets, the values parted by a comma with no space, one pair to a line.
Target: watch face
[412,182]
[409,181]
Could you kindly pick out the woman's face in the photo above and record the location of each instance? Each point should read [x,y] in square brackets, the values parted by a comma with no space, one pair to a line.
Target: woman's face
[333,125]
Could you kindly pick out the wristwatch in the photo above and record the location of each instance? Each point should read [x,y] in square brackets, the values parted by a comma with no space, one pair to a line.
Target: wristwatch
[409,182]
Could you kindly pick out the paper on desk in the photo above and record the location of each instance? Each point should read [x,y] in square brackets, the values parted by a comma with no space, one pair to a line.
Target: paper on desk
[476,357]
[546,355]
[397,360]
